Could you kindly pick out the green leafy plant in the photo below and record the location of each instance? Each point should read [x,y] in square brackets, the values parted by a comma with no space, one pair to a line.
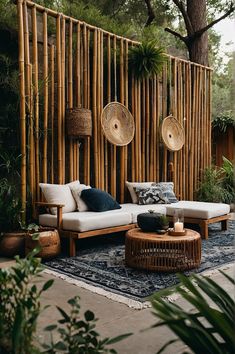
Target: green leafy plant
[163,220]
[217,184]
[227,181]
[20,308]
[146,60]
[10,208]
[208,328]
[210,188]
[78,335]
[20,305]
[223,121]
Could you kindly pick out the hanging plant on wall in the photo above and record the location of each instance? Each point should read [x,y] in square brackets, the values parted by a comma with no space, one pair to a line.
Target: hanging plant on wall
[146,60]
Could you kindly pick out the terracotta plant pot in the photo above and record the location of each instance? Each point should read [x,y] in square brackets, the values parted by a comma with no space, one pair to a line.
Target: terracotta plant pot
[12,244]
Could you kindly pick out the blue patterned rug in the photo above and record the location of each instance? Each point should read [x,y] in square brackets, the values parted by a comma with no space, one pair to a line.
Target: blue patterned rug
[100,262]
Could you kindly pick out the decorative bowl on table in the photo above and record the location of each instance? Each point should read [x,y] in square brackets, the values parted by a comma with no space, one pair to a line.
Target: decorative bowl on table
[153,221]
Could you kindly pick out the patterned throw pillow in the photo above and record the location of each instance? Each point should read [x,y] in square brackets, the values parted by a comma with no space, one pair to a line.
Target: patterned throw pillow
[167,188]
[151,195]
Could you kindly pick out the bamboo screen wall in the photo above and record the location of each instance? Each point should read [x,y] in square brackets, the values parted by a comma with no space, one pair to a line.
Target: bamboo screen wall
[63,63]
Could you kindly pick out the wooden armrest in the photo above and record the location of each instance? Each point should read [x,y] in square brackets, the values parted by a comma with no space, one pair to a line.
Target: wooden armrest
[49,205]
[53,205]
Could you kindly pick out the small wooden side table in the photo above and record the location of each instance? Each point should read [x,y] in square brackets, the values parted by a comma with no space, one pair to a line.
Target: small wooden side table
[163,253]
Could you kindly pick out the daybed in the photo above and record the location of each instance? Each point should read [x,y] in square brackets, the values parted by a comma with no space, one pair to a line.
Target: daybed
[81,224]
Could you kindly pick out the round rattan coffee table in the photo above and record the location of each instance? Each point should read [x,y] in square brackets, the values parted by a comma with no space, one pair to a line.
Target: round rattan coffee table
[164,253]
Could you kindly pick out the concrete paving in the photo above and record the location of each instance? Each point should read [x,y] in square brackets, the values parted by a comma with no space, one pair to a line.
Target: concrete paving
[114,318]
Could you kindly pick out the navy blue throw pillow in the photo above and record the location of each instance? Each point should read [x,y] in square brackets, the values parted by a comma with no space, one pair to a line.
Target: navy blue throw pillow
[98,200]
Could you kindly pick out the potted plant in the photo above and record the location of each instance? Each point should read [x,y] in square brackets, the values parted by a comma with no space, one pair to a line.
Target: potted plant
[163,222]
[11,235]
[146,59]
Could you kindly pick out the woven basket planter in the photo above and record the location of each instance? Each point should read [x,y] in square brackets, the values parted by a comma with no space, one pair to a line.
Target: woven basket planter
[49,241]
[79,122]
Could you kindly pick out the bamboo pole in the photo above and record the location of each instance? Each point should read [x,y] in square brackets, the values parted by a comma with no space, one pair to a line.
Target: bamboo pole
[101,80]
[59,98]
[87,141]
[151,160]
[158,129]
[113,147]
[107,184]
[126,97]
[29,101]
[63,95]
[52,105]
[94,109]
[72,152]
[122,97]
[78,90]
[45,94]
[175,111]
[136,156]
[98,109]
[193,128]
[189,130]
[36,92]
[209,115]
[155,132]
[133,174]
[77,73]
[143,152]
[31,144]
[164,113]
[22,106]
[139,130]
[147,130]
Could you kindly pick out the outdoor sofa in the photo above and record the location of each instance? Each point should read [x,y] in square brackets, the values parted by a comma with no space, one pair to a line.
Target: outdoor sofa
[74,224]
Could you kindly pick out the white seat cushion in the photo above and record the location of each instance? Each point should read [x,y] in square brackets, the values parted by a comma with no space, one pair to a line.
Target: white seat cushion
[135,209]
[199,210]
[88,220]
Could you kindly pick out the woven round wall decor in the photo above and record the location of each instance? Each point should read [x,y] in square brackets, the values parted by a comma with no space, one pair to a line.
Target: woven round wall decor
[117,124]
[172,134]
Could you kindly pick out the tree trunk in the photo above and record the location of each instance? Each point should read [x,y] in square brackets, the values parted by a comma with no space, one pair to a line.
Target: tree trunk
[198,46]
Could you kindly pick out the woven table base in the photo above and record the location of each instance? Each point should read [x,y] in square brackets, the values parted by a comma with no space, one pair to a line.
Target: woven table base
[150,251]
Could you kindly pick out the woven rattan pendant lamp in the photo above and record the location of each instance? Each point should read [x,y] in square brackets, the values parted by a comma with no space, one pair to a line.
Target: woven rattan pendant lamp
[117,121]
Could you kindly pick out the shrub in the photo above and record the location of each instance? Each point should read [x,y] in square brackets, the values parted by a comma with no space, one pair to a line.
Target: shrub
[20,308]
[210,189]
[20,305]
[223,121]
[227,181]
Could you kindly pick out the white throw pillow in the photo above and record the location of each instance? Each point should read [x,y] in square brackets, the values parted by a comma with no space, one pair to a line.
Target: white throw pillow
[131,185]
[58,194]
[76,192]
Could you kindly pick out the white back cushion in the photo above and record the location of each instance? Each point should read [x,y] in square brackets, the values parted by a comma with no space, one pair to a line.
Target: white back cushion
[76,192]
[59,194]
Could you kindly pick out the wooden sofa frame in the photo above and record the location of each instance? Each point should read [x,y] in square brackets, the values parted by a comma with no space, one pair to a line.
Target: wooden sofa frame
[75,235]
